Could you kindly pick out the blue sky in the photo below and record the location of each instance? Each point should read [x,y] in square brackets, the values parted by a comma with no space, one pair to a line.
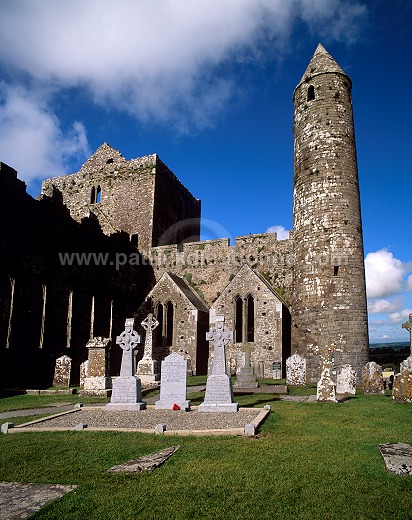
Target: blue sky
[207,85]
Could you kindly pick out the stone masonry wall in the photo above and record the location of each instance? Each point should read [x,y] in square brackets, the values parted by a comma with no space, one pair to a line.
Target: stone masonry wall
[50,307]
[266,347]
[329,300]
[209,266]
[189,330]
[141,197]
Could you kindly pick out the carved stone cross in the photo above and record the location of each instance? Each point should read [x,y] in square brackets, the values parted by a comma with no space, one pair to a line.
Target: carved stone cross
[247,355]
[220,336]
[128,340]
[149,324]
[408,327]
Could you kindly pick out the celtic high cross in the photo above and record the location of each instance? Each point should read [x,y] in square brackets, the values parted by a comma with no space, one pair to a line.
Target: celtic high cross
[408,327]
[220,336]
[149,324]
[128,340]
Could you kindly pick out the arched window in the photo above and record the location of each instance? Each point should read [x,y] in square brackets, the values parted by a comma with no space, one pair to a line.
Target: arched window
[169,323]
[311,92]
[250,319]
[95,195]
[158,332]
[98,194]
[239,320]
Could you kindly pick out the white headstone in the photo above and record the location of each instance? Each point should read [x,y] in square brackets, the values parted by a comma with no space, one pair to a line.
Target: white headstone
[346,380]
[296,370]
[173,383]
[127,393]
[219,391]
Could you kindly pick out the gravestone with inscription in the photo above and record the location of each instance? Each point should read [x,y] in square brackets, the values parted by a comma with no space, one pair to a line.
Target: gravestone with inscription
[127,392]
[173,383]
[219,391]
[147,368]
[62,371]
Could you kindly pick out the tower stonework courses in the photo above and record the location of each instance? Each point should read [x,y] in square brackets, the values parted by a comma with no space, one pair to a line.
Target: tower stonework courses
[329,297]
[304,295]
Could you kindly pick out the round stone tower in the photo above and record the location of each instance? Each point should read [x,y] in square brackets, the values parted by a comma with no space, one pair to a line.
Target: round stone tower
[329,297]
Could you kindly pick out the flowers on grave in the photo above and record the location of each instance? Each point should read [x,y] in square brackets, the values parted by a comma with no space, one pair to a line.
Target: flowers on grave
[175,407]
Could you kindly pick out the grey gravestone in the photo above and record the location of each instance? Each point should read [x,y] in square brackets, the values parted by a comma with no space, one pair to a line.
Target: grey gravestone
[397,457]
[277,370]
[127,392]
[173,383]
[346,380]
[296,370]
[19,501]
[62,371]
[219,391]
[146,463]
[246,378]
[147,367]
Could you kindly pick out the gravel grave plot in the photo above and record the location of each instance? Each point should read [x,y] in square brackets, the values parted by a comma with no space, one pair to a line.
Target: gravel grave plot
[148,419]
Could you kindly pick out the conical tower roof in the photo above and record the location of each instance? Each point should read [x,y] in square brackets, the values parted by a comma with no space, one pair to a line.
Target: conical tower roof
[321,63]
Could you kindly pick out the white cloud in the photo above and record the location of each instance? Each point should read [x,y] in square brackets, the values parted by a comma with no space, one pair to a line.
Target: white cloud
[409,283]
[282,232]
[385,306]
[31,139]
[384,274]
[157,59]
[400,317]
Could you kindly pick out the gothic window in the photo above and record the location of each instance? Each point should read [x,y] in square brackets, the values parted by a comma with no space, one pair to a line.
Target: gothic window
[335,270]
[158,332]
[311,92]
[98,194]
[239,320]
[250,319]
[169,323]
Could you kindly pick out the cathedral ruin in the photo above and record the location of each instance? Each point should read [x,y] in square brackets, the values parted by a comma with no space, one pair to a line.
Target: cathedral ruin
[280,297]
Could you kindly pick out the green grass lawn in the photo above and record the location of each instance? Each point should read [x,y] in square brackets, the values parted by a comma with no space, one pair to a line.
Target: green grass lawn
[309,461]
